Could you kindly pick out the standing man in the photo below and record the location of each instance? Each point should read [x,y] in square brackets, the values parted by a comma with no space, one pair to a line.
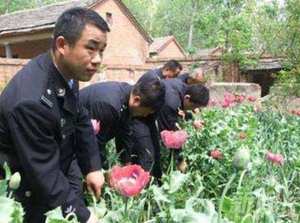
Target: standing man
[114,104]
[43,132]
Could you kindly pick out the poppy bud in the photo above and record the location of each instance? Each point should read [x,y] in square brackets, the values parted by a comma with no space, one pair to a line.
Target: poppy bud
[15,181]
[241,158]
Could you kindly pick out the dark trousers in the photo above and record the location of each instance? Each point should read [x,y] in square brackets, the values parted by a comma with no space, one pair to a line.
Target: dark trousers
[35,209]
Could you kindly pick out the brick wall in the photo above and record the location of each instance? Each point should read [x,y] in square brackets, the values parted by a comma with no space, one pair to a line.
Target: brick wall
[125,43]
[8,67]
[30,49]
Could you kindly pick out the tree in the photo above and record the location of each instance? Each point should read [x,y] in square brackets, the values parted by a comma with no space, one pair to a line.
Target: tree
[8,6]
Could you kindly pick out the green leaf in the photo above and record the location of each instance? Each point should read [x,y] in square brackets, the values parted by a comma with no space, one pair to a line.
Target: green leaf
[177,181]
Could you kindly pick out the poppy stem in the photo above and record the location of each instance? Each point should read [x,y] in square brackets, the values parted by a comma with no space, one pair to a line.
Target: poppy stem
[223,195]
[126,204]
[170,169]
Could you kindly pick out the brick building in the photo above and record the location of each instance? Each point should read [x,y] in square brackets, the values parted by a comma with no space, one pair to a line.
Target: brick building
[130,51]
[27,33]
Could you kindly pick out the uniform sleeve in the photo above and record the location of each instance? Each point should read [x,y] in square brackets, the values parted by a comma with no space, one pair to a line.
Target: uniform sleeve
[108,117]
[184,77]
[146,145]
[167,118]
[34,133]
[86,144]
[124,141]
[105,113]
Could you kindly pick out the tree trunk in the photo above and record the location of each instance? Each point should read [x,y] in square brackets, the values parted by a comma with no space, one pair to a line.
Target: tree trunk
[190,41]
[7,3]
[191,28]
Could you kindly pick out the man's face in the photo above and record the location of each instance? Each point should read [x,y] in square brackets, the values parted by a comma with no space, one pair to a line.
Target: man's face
[169,73]
[198,77]
[141,111]
[189,105]
[83,59]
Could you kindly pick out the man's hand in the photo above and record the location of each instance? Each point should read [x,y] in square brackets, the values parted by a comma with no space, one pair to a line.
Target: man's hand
[182,166]
[94,182]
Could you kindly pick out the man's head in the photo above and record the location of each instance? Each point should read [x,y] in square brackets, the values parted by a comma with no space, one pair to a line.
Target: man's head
[146,97]
[196,77]
[171,69]
[79,40]
[196,96]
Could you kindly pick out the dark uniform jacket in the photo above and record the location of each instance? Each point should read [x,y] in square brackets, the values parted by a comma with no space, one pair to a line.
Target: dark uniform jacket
[107,102]
[157,73]
[42,131]
[168,115]
[152,74]
[184,77]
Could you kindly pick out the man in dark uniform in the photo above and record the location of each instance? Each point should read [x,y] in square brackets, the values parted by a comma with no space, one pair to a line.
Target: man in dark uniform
[195,77]
[144,128]
[171,69]
[44,134]
[113,104]
[179,97]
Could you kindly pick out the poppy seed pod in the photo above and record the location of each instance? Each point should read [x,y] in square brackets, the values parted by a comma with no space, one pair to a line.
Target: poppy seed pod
[15,181]
[241,158]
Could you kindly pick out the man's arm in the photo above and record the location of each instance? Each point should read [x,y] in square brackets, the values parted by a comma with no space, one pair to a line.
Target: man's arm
[33,129]
[167,118]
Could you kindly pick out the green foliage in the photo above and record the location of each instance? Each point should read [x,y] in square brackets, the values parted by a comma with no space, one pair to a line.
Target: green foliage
[287,84]
[11,211]
[264,192]
[8,6]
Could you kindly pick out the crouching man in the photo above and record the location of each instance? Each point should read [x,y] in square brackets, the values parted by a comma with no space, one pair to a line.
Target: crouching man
[114,104]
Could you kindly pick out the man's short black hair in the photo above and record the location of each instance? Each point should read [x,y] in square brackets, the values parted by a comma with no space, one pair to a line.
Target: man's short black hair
[172,65]
[152,93]
[199,94]
[71,23]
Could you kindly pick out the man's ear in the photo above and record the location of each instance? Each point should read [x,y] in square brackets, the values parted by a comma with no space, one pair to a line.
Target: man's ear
[187,97]
[61,45]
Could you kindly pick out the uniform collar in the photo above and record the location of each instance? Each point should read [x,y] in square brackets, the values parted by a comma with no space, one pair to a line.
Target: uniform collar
[57,86]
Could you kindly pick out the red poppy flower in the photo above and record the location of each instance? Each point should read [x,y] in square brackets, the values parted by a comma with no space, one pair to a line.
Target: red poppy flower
[129,180]
[251,98]
[216,154]
[96,126]
[174,139]
[239,98]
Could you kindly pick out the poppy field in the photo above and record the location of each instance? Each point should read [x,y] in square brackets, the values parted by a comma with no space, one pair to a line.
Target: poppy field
[242,166]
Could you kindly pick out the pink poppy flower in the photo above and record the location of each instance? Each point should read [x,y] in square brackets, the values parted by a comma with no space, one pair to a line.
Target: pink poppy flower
[174,139]
[276,159]
[96,126]
[212,103]
[129,180]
